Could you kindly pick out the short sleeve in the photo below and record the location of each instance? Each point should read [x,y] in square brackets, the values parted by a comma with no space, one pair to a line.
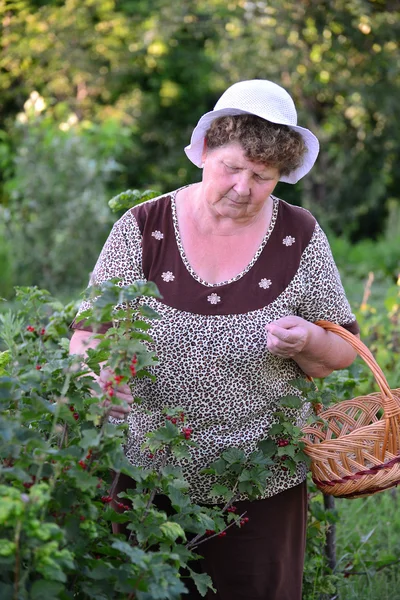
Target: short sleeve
[121,257]
[323,296]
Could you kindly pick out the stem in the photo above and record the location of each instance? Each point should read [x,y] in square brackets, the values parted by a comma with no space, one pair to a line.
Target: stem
[224,509]
[232,500]
[63,436]
[115,483]
[192,545]
[154,491]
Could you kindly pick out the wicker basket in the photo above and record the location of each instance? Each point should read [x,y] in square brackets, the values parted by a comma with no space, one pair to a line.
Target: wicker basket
[355,448]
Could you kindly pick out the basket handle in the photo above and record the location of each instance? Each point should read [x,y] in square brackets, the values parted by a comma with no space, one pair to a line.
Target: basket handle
[390,406]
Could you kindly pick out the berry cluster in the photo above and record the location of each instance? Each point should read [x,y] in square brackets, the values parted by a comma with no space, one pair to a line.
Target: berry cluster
[187,432]
[75,414]
[109,389]
[83,463]
[175,420]
[31,329]
[282,442]
[132,366]
[122,506]
[29,484]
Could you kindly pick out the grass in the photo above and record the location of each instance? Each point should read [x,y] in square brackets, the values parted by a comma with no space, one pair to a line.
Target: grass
[368,547]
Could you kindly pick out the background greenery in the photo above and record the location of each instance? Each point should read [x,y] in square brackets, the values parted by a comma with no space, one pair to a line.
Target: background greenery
[98,96]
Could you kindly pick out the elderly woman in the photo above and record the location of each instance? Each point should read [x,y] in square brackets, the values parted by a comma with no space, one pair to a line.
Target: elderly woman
[243,277]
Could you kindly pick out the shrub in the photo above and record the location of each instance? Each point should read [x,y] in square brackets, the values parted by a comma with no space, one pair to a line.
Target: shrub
[57,215]
[58,450]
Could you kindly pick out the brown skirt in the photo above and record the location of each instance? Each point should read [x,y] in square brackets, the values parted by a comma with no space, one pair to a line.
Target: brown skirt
[264,559]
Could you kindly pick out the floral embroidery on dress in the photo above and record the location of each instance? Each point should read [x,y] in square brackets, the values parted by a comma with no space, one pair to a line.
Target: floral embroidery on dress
[214,298]
[167,276]
[265,283]
[157,234]
[288,240]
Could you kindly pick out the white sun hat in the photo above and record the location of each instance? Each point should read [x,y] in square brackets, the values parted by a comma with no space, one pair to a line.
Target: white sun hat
[264,99]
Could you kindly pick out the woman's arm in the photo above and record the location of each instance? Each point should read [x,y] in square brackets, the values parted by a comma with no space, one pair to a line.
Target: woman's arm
[79,344]
[316,351]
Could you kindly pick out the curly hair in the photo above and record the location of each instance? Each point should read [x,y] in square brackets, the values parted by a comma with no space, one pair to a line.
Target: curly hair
[262,141]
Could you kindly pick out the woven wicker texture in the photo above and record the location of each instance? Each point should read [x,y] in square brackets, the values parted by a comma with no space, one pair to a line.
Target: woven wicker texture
[355,446]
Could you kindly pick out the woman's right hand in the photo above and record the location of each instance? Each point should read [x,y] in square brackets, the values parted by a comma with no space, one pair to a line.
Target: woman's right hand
[113,389]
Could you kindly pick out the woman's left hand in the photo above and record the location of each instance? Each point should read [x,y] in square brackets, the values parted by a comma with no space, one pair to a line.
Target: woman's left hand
[288,336]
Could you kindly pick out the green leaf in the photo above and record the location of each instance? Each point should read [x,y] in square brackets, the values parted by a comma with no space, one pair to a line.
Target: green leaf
[172,531]
[221,490]
[219,466]
[94,357]
[148,312]
[90,438]
[45,590]
[365,538]
[205,520]
[234,455]
[291,401]
[276,429]
[165,434]
[202,581]
[178,500]
[181,452]
[136,555]
[260,459]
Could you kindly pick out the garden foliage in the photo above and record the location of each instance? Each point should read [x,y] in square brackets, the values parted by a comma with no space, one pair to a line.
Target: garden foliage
[58,452]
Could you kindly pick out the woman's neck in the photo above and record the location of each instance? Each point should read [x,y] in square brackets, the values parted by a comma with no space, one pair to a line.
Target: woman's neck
[191,204]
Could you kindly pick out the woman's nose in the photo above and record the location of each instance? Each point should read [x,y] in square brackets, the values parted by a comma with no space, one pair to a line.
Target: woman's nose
[242,184]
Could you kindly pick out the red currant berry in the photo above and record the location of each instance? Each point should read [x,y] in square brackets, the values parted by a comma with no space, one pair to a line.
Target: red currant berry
[106,499]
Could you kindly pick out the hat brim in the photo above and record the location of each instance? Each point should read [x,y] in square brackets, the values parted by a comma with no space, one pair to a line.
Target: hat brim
[194,150]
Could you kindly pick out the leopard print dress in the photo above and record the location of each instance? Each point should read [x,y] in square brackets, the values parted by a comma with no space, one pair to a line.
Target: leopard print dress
[210,339]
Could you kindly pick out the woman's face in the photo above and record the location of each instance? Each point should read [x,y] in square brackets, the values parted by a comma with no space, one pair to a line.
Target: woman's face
[232,185]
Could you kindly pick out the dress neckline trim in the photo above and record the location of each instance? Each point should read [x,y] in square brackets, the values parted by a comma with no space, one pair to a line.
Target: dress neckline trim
[250,264]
